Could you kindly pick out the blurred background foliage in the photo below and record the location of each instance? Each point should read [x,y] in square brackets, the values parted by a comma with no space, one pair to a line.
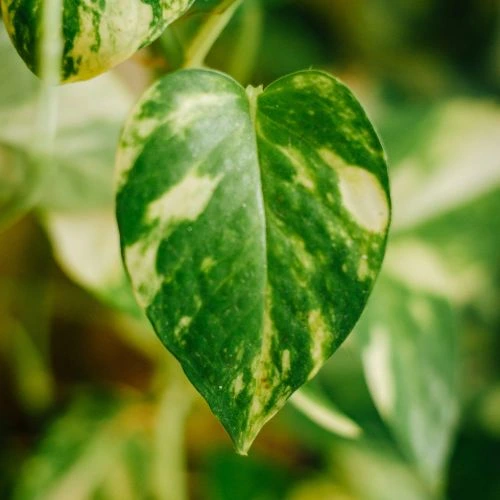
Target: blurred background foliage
[91,405]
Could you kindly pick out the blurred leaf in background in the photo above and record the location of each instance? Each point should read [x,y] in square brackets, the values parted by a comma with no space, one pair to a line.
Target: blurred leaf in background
[90,449]
[409,351]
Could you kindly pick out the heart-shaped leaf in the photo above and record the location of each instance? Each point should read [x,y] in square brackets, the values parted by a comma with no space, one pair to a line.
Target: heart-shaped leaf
[96,35]
[253,225]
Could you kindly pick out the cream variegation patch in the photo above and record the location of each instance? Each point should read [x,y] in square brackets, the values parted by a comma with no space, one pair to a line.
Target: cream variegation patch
[364,272]
[184,202]
[141,263]
[121,31]
[237,385]
[285,363]
[207,264]
[182,326]
[320,340]
[320,83]
[302,173]
[190,107]
[123,28]
[137,129]
[361,192]
[187,108]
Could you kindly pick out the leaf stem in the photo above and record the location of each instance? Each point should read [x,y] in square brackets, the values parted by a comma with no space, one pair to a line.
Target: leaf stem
[209,33]
[171,48]
[324,414]
[169,481]
[247,45]
[253,93]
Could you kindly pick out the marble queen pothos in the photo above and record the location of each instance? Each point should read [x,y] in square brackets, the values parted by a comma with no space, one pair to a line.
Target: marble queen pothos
[96,34]
[253,225]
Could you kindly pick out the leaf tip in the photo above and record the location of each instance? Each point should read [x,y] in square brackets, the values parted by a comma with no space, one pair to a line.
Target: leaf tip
[242,452]
[243,441]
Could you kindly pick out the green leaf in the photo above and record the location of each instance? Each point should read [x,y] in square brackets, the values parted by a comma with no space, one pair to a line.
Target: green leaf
[18,182]
[86,246]
[96,35]
[76,453]
[433,175]
[410,356]
[75,196]
[88,130]
[15,85]
[31,376]
[98,448]
[372,470]
[252,226]
[445,239]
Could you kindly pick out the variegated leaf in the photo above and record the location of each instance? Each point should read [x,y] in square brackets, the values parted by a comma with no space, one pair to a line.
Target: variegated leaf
[409,345]
[97,35]
[253,225]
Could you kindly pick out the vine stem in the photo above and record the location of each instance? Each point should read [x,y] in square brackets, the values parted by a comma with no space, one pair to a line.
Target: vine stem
[169,476]
[209,33]
[49,62]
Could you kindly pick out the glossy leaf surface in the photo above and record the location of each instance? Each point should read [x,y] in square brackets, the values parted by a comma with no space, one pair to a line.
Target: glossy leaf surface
[253,225]
[96,35]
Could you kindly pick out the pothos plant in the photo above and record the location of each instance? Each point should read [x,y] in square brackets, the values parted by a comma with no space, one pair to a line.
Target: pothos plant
[253,222]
